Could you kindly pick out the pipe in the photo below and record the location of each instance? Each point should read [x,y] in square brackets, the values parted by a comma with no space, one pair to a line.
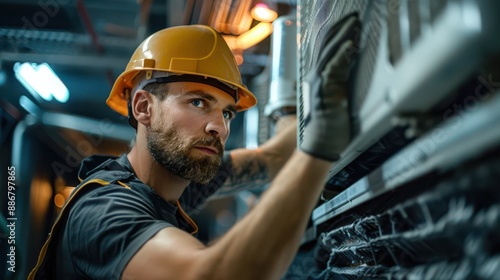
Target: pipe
[84,15]
[282,92]
[144,17]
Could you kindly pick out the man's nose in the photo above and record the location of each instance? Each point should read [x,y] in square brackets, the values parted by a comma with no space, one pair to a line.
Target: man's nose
[218,126]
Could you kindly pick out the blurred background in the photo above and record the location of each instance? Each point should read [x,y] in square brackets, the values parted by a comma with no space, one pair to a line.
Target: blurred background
[87,43]
[415,194]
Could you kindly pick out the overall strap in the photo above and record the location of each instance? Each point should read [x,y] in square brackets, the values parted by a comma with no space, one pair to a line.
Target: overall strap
[44,267]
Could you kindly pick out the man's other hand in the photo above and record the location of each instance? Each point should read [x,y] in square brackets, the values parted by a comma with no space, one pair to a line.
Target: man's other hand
[326,117]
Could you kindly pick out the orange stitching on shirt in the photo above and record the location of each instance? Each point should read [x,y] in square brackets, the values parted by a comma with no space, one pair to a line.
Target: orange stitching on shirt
[123,185]
[187,218]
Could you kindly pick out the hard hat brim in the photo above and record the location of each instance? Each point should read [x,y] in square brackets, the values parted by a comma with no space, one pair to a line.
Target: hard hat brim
[246,99]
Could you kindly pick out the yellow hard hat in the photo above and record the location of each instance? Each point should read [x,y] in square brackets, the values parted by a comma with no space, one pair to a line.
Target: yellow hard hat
[194,51]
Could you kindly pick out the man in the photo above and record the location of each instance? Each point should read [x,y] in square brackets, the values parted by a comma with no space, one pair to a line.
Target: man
[181,89]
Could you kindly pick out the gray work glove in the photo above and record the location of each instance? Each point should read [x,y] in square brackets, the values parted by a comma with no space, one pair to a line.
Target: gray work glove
[326,132]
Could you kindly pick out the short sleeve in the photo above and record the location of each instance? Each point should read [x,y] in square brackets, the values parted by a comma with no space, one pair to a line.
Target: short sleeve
[107,227]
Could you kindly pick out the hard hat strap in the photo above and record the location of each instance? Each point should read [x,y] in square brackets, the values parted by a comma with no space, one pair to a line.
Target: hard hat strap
[229,89]
[131,120]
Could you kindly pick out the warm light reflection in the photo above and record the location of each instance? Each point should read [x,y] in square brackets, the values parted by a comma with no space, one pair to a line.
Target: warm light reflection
[61,197]
[230,41]
[221,12]
[239,58]
[59,200]
[254,36]
[240,20]
[262,12]
[250,38]
[41,193]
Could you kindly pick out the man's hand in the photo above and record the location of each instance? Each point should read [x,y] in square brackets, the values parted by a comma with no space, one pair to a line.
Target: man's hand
[326,133]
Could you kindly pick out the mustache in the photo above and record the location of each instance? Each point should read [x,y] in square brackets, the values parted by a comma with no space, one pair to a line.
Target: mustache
[209,141]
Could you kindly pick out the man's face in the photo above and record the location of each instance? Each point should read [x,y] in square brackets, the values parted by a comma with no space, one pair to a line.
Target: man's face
[189,129]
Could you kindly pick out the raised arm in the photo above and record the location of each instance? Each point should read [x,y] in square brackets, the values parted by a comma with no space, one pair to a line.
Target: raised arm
[255,167]
[260,246]
[264,242]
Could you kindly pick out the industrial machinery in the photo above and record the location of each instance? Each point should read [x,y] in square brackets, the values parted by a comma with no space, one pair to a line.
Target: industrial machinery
[415,194]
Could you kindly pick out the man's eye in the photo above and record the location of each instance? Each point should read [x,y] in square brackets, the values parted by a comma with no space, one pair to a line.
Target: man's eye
[198,103]
[228,115]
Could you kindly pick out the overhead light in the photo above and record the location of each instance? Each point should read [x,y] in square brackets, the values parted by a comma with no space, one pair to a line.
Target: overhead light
[262,12]
[41,81]
[250,38]
[254,36]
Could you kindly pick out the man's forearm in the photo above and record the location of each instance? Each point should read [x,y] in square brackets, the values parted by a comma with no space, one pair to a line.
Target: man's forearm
[277,150]
[263,243]
[255,168]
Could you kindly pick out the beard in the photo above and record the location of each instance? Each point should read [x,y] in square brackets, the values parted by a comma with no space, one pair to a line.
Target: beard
[172,151]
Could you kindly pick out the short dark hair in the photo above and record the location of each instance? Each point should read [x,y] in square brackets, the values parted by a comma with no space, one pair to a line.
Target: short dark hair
[159,90]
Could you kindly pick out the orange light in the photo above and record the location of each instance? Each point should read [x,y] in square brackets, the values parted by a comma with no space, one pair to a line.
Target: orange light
[230,41]
[250,38]
[59,200]
[262,12]
[67,192]
[239,58]
[254,35]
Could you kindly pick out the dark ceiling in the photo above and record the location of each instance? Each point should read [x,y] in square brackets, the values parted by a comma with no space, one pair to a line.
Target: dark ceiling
[88,43]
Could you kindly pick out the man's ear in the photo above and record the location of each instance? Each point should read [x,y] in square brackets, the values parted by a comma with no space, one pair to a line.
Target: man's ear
[142,105]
